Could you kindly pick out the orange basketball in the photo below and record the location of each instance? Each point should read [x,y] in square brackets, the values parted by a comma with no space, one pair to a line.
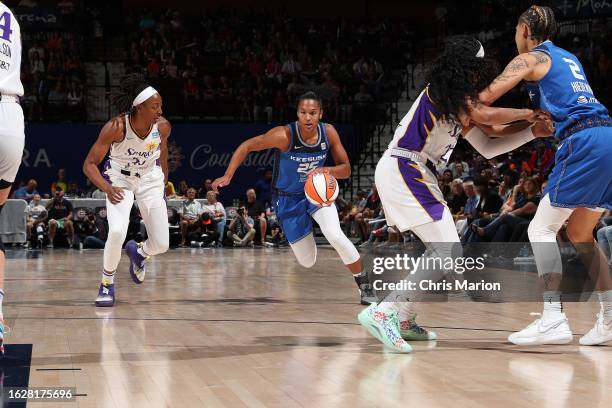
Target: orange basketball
[321,189]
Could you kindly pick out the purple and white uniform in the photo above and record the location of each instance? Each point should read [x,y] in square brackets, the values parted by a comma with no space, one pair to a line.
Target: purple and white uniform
[408,188]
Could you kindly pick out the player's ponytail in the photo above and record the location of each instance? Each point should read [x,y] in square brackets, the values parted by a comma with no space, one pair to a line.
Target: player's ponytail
[541,22]
[129,87]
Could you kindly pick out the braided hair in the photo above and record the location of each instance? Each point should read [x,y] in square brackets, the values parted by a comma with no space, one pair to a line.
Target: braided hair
[129,87]
[541,22]
[458,76]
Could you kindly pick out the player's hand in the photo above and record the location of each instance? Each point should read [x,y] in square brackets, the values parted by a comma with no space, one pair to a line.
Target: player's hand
[320,170]
[114,194]
[222,181]
[543,128]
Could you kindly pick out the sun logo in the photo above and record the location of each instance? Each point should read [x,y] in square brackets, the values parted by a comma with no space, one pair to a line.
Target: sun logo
[149,147]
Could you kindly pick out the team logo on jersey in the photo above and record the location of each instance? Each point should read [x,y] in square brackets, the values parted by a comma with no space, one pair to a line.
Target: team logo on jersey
[323,146]
[151,147]
[155,134]
[582,99]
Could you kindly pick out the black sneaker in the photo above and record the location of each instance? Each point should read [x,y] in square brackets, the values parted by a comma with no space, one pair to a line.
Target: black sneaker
[368,295]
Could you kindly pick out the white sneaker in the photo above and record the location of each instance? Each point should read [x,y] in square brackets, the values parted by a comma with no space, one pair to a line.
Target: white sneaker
[599,334]
[544,331]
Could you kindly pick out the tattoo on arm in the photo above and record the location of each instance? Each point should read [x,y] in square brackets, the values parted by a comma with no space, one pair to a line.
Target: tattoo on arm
[540,57]
[514,67]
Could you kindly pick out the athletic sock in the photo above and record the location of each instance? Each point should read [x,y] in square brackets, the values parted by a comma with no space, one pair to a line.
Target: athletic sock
[406,311]
[552,304]
[393,302]
[605,301]
[108,278]
[1,299]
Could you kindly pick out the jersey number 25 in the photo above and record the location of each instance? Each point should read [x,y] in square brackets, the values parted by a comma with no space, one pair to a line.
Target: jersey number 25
[307,167]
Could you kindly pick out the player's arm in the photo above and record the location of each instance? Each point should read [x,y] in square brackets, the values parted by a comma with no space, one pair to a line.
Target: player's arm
[274,138]
[487,115]
[164,129]
[111,132]
[519,69]
[342,167]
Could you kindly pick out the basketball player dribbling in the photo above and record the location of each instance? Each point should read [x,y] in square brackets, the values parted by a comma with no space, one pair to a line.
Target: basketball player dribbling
[301,148]
[137,169]
[12,137]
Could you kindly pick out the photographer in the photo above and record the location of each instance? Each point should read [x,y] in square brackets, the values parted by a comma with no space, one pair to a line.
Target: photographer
[98,238]
[241,229]
[205,233]
[59,213]
[84,226]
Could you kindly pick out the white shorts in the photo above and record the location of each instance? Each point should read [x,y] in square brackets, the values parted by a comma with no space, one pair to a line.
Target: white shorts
[12,139]
[148,189]
[409,193]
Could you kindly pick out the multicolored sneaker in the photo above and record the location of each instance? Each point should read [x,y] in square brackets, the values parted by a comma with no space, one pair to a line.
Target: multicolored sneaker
[384,326]
[106,295]
[410,330]
[137,261]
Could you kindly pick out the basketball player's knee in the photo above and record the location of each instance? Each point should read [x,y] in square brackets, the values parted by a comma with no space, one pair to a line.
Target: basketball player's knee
[576,236]
[307,261]
[115,235]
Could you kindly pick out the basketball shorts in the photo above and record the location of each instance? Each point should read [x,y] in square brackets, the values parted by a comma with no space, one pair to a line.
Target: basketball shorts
[12,139]
[409,193]
[148,189]
[294,213]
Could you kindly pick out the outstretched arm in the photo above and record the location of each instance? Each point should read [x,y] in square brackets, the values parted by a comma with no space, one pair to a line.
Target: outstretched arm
[274,138]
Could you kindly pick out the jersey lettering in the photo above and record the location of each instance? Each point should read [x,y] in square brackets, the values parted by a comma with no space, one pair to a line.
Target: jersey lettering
[574,68]
[5,26]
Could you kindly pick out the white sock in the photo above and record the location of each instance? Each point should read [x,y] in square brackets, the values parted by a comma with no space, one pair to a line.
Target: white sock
[108,278]
[552,303]
[1,299]
[605,300]
[393,302]
[406,311]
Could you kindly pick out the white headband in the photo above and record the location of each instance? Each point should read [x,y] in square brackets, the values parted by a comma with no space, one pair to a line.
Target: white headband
[480,53]
[146,93]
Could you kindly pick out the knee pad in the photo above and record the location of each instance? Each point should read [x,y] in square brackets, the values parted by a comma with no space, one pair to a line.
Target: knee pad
[305,251]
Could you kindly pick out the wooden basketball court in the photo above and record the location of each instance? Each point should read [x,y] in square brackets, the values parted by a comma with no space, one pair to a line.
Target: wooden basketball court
[250,328]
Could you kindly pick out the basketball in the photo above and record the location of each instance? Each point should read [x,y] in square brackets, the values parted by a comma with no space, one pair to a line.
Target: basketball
[321,189]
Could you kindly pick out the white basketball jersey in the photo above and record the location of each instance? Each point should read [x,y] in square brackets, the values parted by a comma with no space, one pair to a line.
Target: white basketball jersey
[423,130]
[10,53]
[134,153]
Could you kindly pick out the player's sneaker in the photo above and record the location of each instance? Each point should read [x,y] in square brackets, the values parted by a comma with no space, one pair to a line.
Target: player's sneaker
[545,330]
[106,295]
[410,330]
[599,334]
[368,296]
[137,261]
[384,326]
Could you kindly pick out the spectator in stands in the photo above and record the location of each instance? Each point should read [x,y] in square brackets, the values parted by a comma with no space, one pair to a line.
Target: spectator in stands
[59,213]
[464,218]
[462,171]
[218,214]
[263,187]
[84,226]
[183,187]
[60,183]
[170,191]
[457,200]
[35,214]
[370,211]
[490,202]
[73,190]
[502,227]
[189,211]
[542,158]
[241,230]
[27,192]
[257,211]
[604,236]
[98,238]
[205,232]
[206,187]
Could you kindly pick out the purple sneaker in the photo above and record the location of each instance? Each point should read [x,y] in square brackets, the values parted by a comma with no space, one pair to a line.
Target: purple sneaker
[137,261]
[106,295]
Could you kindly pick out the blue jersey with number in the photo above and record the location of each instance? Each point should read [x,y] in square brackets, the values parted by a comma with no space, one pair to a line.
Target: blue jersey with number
[291,168]
[565,91]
